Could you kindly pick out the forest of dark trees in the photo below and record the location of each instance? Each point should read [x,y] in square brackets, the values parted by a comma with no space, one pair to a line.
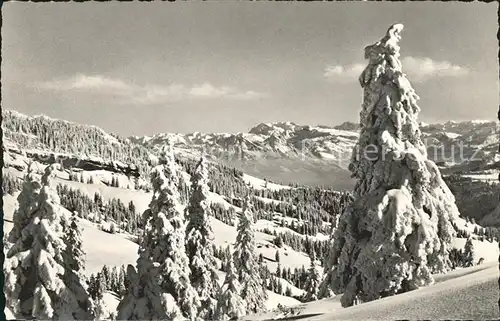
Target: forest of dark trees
[474,198]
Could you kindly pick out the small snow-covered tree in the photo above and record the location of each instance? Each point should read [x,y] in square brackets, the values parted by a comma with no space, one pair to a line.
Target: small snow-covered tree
[92,286]
[398,228]
[199,242]
[325,288]
[101,286]
[121,281]
[469,255]
[106,278]
[145,299]
[113,282]
[35,270]
[230,304]
[162,266]
[312,282]
[73,253]
[245,260]
[101,309]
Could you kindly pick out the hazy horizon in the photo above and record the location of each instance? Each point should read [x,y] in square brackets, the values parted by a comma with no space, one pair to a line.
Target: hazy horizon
[146,68]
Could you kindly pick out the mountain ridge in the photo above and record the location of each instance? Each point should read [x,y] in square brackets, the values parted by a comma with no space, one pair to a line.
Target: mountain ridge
[324,152]
[285,152]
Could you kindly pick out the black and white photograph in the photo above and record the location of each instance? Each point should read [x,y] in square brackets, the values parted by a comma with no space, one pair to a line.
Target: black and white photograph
[250,160]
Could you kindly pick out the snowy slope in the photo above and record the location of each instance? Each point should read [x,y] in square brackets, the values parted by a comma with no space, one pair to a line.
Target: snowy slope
[486,250]
[473,296]
[140,198]
[226,235]
[470,293]
[115,249]
[274,299]
[260,184]
[102,248]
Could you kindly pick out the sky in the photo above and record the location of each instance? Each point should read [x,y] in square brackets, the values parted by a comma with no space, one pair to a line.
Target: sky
[144,68]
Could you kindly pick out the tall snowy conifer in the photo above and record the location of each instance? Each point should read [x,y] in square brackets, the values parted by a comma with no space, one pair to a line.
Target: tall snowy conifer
[35,270]
[28,203]
[74,254]
[247,266]
[162,277]
[74,262]
[230,304]
[397,231]
[199,242]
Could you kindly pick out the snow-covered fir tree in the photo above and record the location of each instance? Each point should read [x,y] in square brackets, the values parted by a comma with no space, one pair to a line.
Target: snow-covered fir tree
[397,231]
[469,255]
[199,242]
[325,287]
[245,260]
[162,266]
[101,286]
[106,277]
[230,304]
[28,204]
[35,269]
[312,282]
[123,280]
[101,309]
[73,253]
[145,299]
[74,262]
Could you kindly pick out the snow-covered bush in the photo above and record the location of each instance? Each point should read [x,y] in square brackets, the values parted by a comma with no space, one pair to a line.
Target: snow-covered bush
[108,227]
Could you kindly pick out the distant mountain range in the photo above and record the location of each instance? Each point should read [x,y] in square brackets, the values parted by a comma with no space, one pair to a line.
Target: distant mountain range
[288,152]
[283,152]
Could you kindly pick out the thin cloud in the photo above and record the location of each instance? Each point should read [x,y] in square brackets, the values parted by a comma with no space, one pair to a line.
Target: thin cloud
[417,69]
[147,94]
[421,69]
[207,90]
[339,73]
[83,82]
